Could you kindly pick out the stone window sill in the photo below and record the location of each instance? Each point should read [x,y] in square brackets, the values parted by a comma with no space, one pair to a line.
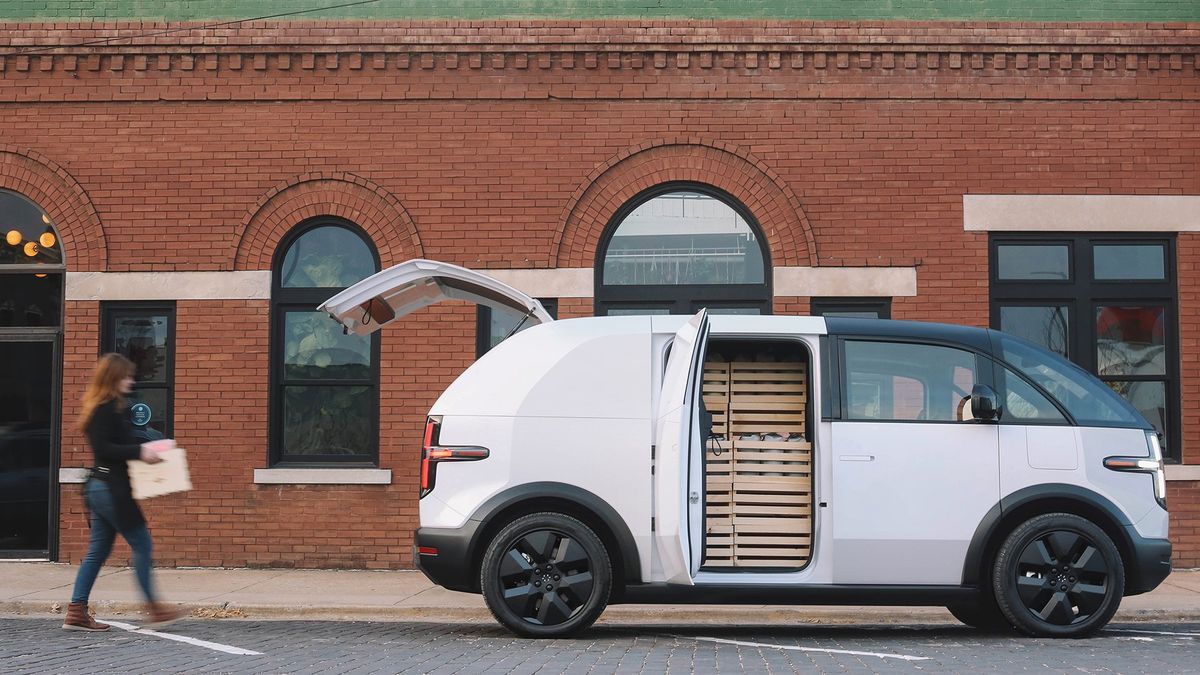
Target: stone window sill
[331,476]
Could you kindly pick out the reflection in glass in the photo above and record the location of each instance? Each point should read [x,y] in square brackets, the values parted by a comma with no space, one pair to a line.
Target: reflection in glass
[27,236]
[26,405]
[503,321]
[745,311]
[882,382]
[1032,262]
[327,257]
[683,238]
[156,398]
[1131,341]
[143,340]
[327,420]
[638,311]
[27,300]
[1129,262]
[1150,399]
[1026,404]
[1045,326]
[314,347]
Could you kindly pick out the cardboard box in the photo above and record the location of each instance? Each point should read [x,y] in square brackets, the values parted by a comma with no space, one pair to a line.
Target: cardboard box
[164,478]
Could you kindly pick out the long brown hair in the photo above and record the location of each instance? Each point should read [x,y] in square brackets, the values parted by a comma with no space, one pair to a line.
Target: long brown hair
[105,385]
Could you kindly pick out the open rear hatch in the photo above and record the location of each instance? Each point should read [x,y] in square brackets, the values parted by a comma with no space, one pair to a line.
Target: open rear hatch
[382,298]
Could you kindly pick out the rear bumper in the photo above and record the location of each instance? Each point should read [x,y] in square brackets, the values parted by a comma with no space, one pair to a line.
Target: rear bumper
[453,565]
[1151,563]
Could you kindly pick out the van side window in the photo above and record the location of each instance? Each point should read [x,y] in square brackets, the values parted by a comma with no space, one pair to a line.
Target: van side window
[1023,403]
[895,381]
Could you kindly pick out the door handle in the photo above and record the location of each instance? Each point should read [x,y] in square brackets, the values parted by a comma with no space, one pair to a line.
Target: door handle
[857,458]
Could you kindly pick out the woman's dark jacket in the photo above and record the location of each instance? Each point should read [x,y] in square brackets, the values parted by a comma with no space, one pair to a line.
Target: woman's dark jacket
[113,444]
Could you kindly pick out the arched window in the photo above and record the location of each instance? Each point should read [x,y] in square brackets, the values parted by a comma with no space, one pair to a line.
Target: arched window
[678,247]
[31,260]
[324,384]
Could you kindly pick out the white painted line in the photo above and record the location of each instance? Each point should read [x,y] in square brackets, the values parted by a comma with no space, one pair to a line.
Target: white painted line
[902,657]
[1149,632]
[216,646]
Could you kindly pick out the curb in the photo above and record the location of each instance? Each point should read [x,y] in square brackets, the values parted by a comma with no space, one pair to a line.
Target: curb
[617,614]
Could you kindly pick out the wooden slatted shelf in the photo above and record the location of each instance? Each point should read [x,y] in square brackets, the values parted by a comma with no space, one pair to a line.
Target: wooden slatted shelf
[758,493]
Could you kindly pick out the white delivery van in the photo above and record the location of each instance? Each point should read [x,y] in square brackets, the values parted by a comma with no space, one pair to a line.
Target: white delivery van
[774,459]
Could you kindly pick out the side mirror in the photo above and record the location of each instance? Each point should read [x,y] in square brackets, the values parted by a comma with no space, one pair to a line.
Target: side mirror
[985,404]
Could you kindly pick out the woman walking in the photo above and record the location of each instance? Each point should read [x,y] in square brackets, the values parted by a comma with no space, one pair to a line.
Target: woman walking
[107,493]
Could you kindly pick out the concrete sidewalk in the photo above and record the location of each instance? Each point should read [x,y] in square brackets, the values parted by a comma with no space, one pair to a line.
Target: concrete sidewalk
[43,589]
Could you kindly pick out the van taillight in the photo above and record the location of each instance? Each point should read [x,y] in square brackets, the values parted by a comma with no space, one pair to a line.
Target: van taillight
[432,453]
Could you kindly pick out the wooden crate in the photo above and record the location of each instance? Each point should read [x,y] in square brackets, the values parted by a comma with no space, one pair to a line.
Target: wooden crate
[758,493]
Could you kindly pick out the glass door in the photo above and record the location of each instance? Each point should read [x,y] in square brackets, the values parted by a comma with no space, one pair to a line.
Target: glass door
[28,436]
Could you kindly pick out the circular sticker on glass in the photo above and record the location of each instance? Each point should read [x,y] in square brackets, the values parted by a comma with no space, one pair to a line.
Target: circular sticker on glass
[140,414]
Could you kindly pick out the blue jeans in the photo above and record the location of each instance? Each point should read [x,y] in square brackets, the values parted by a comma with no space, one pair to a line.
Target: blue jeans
[104,533]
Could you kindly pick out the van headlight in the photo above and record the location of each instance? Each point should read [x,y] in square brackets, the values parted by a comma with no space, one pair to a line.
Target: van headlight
[1152,465]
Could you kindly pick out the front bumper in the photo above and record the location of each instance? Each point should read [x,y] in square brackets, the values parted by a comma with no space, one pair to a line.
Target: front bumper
[1151,563]
[453,566]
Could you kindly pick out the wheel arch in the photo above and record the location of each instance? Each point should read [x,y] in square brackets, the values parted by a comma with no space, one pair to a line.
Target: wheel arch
[1035,500]
[571,500]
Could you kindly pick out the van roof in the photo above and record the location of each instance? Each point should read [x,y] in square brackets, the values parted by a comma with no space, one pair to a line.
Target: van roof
[977,338]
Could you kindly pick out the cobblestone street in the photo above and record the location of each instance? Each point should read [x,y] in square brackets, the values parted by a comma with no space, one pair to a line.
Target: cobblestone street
[38,646]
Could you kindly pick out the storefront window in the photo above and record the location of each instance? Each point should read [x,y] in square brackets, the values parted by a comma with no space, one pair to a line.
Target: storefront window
[145,334]
[325,383]
[1107,303]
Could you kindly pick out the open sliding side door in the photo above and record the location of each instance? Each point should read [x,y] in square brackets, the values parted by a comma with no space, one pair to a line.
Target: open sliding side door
[678,473]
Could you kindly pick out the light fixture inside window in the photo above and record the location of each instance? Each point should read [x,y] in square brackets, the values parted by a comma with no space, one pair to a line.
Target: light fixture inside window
[31,248]
[47,239]
[13,237]
[45,219]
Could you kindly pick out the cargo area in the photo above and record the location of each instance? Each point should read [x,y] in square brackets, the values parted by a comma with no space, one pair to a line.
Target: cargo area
[758,463]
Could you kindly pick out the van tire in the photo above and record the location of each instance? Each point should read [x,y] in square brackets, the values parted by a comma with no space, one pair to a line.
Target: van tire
[560,565]
[1058,575]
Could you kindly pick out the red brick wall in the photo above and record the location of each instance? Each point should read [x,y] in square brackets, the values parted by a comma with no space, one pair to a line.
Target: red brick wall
[512,146]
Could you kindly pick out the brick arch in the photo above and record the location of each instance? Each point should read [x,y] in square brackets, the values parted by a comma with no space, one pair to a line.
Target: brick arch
[52,188]
[362,202]
[789,235]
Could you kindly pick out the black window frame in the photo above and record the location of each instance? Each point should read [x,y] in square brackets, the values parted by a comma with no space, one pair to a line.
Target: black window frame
[882,306]
[483,324]
[110,310]
[1083,294]
[681,298]
[285,299]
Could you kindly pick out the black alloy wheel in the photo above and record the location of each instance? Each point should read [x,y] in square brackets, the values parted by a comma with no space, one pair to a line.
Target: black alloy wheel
[546,575]
[1058,575]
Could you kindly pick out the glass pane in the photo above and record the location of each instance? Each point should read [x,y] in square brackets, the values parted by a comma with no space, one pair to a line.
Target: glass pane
[683,238]
[327,420]
[1150,399]
[1023,403]
[29,238]
[1045,326]
[1032,262]
[502,323]
[31,300]
[1129,262]
[149,413]
[755,311]
[1131,341]
[1085,397]
[637,311]
[895,381]
[314,347]
[851,315]
[326,257]
[26,406]
[143,340]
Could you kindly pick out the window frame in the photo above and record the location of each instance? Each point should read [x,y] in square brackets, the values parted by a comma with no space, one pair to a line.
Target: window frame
[110,310]
[681,299]
[307,299]
[821,306]
[1083,294]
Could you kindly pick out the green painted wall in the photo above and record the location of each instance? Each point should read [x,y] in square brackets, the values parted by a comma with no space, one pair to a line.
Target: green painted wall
[999,10]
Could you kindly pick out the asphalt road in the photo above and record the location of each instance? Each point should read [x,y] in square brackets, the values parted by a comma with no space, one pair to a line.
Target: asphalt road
[226,646]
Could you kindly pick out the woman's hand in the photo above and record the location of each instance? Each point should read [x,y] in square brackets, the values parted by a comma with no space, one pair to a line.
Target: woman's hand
[149,456]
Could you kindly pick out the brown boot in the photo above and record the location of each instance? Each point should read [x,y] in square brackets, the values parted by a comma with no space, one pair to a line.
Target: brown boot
[159,615]
[79,619]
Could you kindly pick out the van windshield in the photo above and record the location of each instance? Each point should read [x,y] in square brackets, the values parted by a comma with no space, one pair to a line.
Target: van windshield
[1088,399]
